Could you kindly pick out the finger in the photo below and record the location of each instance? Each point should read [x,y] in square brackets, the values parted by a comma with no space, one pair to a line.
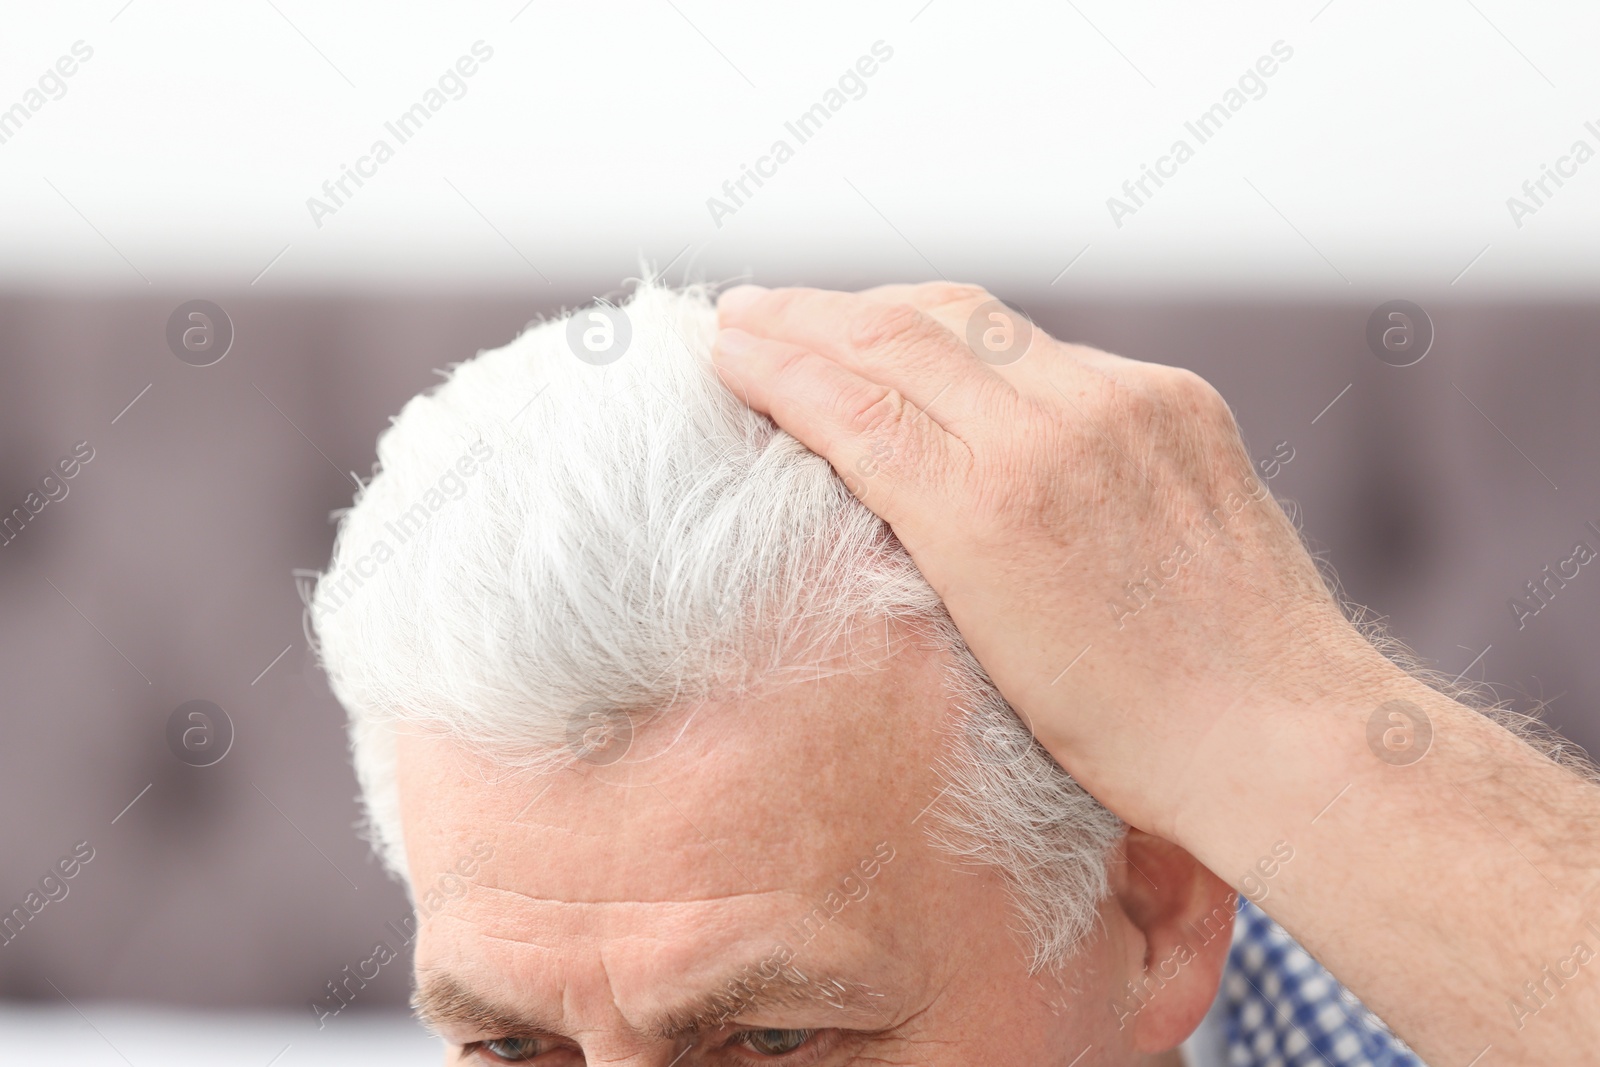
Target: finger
[891,344]
[949,303]
[881,446]
[999,335]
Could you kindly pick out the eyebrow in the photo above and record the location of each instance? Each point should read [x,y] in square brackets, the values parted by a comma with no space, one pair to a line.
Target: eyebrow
[761,986]
[442,998]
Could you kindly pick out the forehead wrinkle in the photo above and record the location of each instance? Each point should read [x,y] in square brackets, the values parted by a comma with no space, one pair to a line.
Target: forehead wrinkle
[481,924]
[715,898]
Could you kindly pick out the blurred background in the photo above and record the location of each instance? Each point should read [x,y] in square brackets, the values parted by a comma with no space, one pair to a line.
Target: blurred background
[353,195]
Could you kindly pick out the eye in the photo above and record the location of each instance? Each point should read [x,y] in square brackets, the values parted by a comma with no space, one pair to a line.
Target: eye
[774,1042]
[509,1049]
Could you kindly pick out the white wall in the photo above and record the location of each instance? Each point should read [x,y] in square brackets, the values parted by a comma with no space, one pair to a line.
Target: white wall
[1379,160]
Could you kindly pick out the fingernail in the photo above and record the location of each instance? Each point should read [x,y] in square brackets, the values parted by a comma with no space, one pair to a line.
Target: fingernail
[739,298]
[731,342]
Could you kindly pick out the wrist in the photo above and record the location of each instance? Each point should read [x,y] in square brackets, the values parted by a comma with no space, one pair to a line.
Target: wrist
[1282,746]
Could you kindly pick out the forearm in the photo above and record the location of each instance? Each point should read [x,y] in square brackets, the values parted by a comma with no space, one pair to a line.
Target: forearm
[1096,529]
[1458,894]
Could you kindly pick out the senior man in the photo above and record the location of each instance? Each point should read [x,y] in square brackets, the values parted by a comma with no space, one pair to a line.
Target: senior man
[749,744]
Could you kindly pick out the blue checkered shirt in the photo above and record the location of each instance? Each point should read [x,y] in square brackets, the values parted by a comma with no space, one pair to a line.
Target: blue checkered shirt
[1278,1007]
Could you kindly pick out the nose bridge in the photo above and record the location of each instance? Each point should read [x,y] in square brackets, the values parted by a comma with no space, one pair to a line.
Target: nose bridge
[631,1050]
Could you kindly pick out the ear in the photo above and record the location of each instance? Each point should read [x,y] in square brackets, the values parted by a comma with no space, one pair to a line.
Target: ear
[1181,917]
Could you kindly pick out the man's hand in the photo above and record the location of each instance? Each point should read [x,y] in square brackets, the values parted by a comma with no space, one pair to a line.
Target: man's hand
[1093,523]
[1098,534]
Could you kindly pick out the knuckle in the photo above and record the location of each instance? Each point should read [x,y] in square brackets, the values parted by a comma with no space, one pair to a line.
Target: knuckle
[946,294]
[786,362]
[1191,394]
[1159,391]
[876,413]
[891,327]
[1170,409]
[1183,384]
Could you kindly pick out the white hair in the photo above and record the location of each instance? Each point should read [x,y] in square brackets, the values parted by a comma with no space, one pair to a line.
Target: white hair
[546,534]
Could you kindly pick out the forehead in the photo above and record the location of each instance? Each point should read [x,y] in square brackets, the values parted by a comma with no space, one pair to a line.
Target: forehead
[724,829]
